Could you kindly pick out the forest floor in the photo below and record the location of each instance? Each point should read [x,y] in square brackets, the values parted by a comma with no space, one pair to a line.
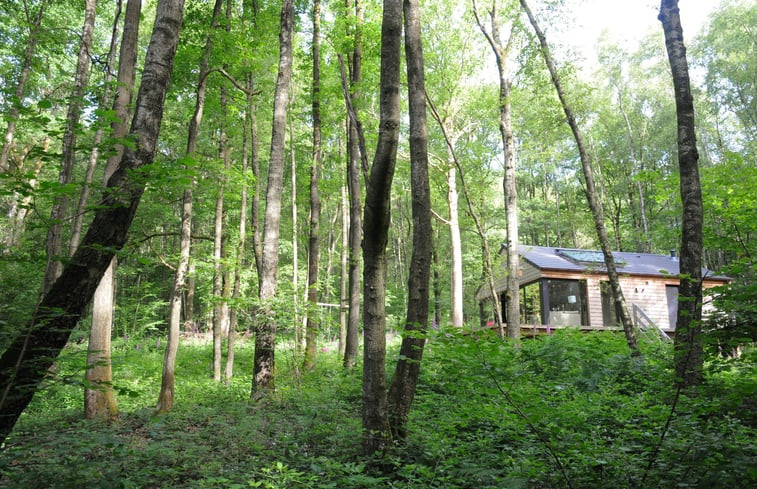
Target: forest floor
[570,410]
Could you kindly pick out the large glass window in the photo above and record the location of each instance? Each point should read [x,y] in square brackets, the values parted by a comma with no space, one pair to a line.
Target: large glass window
[566,303]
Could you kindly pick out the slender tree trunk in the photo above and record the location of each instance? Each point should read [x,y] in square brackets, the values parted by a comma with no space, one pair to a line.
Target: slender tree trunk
[299,336]
[501,53]
[54,242]
[376,432]
[265,337]
[402,389]
[94,154]
[23,77]
[488,267]
[437,286]
[237,290]
[689,356]
[24,364]
[221,307]
[456,249]
[166,395]
[591,193]
[343,275]
[355,192]
[315,198]
[101,401]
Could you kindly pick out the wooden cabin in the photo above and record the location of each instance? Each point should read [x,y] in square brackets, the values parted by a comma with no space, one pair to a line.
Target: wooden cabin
[564,287]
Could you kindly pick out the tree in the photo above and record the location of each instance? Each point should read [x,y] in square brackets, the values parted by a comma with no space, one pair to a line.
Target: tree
[405,379]
[265,330]
[689,356]
[501,53]
[100,400]
[23,77]
[356,152]
[54,242]
[591,193]
[24,363]
[166,394]
[315,199]
[375,231]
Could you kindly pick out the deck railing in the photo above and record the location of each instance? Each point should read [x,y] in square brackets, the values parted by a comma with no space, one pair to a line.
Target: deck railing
[645,324]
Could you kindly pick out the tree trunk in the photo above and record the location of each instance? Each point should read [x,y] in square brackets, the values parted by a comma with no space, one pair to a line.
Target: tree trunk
[376,434]
[24,364]
[105,101]
[343,275]
[501,52]
[101,401]
[488,267]
[299,333]
[166,395]
[23,77]
[354,187]
[265,337]
[591,193]
[315,199]
[402,389]
[456,249]
[54,242]
[221,307]
[689,356]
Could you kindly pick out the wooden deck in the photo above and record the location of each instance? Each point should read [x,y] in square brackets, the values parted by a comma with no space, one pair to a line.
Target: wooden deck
[533,330]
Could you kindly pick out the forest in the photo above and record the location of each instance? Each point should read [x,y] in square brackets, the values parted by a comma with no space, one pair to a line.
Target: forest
[278,244]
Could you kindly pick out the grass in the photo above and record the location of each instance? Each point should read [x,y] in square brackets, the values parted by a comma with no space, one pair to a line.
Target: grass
[568,410]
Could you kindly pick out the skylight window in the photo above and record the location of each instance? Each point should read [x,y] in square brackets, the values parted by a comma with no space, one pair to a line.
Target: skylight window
[583,256]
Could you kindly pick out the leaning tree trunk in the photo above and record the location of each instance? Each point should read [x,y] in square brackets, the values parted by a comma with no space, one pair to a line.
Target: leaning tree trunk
[265,331]
[24,364]
[101,401]
[54,242]
[501,53]
[688,339]
[591,194]
[402,389]
[311,331]
[488,267]
[166,394]
[376,434]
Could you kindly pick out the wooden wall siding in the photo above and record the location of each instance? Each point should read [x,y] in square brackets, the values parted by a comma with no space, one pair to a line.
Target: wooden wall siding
[647,292]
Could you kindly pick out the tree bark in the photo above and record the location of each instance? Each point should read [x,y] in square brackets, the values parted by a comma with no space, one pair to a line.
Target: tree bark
[689,356]
[101,401]
[343,276]
[591,194]
[402,388]
[311,332]
[501,52]
[376,433]
[456,249]
[166,395]
[24,364]
[355,192]
[54,242]
[265,337]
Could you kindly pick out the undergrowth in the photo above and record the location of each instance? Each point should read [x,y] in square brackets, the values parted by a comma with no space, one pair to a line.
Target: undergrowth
[570,410]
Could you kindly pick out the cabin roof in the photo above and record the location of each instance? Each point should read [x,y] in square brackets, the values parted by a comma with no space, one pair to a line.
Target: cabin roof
[588,261]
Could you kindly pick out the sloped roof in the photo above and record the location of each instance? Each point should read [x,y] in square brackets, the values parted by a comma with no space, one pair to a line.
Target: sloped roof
[587,261]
